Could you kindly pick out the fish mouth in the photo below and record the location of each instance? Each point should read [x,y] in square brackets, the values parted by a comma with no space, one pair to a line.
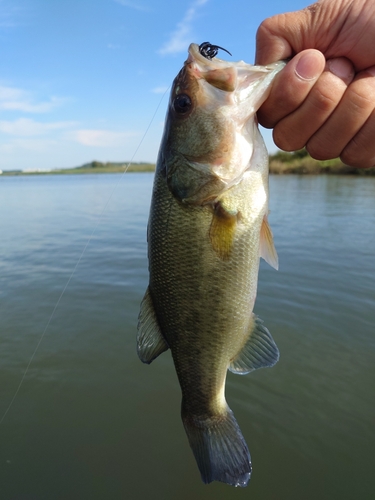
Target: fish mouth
[195,54]
[207,63]
[239,78]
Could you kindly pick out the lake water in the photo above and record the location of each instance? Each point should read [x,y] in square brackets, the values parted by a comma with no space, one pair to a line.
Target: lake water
[91,422]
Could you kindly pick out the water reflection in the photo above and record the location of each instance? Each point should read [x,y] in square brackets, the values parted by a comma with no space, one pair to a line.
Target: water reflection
[91,421]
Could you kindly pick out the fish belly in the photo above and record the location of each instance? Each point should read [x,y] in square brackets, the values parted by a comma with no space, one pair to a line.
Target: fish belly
[203,303]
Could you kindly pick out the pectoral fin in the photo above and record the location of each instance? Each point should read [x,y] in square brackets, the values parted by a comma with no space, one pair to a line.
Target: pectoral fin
[222,231]
[267,247]
[150,341]
[260,350]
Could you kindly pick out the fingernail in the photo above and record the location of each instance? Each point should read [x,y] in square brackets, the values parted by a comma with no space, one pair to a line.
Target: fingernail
[308,67]
[341,67]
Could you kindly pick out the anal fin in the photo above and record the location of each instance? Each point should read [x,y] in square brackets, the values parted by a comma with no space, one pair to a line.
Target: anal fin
[150,341]
[260,350]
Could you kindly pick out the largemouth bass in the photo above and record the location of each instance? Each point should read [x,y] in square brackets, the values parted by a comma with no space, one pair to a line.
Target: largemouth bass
[207,231]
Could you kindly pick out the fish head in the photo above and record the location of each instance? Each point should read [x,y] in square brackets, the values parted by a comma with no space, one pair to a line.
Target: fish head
[208,139]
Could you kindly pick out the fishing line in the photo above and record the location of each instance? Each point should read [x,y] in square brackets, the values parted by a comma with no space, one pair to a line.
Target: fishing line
[80,258]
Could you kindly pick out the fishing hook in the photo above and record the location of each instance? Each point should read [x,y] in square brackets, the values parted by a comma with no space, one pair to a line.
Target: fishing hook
[210,51]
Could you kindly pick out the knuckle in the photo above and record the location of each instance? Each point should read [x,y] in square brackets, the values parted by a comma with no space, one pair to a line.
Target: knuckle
[361,98]
[266,116]
[319,150]
[322,101]
[266,27]
[327,93]
[284,140]
[349,158]
[357,154]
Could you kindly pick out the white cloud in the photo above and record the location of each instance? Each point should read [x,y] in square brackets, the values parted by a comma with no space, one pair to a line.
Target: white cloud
[25,127]
[15,99]
[133,5]
[100,138]
[181,37]
[160,90]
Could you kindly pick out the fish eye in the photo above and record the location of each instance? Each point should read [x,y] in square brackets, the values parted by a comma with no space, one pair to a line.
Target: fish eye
[182,103]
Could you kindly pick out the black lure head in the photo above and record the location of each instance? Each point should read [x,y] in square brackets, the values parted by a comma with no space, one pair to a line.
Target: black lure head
[210,51]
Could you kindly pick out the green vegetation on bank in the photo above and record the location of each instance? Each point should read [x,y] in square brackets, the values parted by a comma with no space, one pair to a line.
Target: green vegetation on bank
[109,167]
[298,162]
[94,167]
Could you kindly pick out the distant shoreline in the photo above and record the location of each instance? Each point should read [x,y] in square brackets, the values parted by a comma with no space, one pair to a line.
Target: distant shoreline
[281,163]
[94,167]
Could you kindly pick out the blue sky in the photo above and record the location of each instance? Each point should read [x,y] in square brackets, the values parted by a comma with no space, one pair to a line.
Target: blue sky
[81,79]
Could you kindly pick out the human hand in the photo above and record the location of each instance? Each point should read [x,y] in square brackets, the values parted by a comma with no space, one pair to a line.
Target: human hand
[324,98]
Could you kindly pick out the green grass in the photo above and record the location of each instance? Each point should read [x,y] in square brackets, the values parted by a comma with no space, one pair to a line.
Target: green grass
[300,162]
[95,167]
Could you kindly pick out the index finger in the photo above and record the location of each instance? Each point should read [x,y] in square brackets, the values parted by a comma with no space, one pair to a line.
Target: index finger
[270,46]
[284,35]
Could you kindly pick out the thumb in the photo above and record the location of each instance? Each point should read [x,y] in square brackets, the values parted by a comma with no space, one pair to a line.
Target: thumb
[291,87]
[282,36]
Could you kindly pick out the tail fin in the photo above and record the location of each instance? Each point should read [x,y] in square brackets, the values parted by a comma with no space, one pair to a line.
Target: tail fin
[219,448]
